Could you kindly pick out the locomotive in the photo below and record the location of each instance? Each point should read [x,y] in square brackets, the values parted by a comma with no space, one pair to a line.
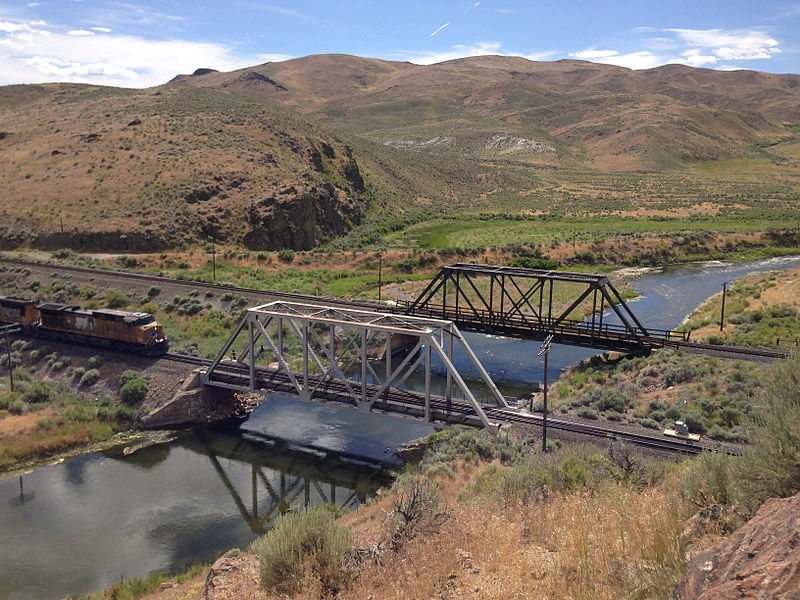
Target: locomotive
[130,331]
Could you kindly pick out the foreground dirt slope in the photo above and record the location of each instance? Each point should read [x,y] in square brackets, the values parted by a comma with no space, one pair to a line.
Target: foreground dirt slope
[760,560]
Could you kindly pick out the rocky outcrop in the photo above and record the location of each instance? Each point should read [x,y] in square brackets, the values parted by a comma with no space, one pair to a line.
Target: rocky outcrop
[439,140]
[760,560]
[509,142]
[299,219]
[142,240]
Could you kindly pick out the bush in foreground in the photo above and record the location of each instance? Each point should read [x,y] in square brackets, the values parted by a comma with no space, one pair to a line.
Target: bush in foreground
[308,540]
[134,391]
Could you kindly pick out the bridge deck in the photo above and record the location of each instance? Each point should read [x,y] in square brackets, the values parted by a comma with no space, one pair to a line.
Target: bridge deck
[605,336]
[406,403]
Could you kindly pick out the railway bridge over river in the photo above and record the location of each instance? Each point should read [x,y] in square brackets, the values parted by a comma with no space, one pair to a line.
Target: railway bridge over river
[363,355]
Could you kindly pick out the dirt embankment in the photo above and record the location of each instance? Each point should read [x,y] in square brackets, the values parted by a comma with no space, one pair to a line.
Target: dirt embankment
[760,560]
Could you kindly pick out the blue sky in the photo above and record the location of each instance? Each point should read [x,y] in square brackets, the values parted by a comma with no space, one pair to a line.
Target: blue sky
[143,43]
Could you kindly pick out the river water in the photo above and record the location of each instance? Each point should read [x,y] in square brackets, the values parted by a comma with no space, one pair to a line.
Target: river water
[75,527]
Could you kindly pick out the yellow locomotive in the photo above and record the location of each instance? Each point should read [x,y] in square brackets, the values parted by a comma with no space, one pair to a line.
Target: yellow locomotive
[132,331]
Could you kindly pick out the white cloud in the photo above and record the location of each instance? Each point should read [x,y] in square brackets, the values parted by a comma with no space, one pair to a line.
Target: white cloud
[592,54]
[12,27]
[33,55]
[101,29]
[693,47]
[731,45]
[458,51]
[79,32]
[274,57]
[439,29]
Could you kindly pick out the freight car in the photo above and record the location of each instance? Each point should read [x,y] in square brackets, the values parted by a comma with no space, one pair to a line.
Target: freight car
[132,331]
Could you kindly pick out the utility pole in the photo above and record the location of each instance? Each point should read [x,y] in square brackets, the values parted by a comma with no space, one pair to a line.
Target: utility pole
[380,278]
[545,351]
[722,312]
[8,358]
[214,260]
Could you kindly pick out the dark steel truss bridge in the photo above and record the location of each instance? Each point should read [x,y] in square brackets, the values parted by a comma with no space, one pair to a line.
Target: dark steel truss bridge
[528,303]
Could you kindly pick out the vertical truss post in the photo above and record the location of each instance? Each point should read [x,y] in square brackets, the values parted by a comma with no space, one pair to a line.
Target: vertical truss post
[280,337]
[252,355]
[306,395]
[449,393]
[427,383]
[458,289]
[491,299]
[388,359]
[364,365]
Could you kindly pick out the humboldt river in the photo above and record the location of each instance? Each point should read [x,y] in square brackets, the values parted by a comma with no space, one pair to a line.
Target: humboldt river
[77,526]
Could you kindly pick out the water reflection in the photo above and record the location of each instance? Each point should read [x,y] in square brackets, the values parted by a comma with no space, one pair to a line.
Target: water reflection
[74,528]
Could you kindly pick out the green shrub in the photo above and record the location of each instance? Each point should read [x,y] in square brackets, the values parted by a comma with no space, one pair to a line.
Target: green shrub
[127,376]
[695,421]
[116,299]
[308,539]
[286,255]
[772,467]
[96,361]
[90,377]
[153,291]
[134,391]
[586,412]
[38,392]
[78,372]
[709,480]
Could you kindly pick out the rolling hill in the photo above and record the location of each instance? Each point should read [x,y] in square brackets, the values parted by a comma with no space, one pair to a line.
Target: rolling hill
[586,114]
[294,154]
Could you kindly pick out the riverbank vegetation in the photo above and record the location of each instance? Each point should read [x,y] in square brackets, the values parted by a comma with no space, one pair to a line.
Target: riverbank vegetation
[712,396]
[762,309]
[61,402]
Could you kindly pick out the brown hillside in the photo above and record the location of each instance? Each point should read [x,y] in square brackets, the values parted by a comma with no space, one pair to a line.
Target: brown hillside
[93,167]
[617,118]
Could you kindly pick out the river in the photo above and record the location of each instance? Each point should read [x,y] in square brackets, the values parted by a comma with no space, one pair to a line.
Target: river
[77,526]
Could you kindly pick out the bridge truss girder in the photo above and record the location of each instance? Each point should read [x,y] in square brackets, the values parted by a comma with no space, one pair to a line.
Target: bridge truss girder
[524,295]
[333,341]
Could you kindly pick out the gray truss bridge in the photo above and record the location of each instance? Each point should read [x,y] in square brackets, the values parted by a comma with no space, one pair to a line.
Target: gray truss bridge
[522,303]
[352,356]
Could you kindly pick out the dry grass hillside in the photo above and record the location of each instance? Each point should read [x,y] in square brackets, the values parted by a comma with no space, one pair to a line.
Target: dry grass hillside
[585,113]
[298,153]
[95,167]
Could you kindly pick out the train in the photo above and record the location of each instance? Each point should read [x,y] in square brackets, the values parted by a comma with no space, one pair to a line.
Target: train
[129,331]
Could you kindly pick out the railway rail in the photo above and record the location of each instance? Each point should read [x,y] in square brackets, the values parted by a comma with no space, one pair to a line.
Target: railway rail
[405,402]
[722,351]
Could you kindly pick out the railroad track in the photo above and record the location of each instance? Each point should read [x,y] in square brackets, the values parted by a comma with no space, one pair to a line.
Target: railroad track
[223,287]
[744,353]
[410,403]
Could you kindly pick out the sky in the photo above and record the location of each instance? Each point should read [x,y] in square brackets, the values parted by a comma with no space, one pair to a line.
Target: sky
[147,42]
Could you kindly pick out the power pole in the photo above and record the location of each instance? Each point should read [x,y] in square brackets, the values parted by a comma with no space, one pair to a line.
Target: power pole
[722,312]
[214,260]
[545,351]
[8,358]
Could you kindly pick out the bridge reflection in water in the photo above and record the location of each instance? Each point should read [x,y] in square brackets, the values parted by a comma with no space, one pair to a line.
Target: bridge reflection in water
[282,479]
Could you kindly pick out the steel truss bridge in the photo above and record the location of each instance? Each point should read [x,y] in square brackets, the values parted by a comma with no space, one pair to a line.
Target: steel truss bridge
[355,356]
[523,303]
